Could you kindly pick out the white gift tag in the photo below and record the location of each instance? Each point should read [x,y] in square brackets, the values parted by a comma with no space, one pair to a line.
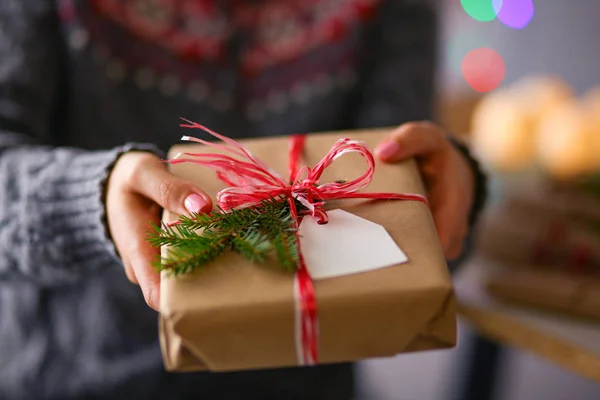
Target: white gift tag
[346,245]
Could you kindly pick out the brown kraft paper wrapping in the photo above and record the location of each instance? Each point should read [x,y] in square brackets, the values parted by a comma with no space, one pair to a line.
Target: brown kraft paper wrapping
[543,226]
[564,293]
[235,315]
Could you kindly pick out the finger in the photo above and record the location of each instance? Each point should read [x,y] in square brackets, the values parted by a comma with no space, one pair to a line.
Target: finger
[130,233]
[129,272]
[455,248]
[140,252]
[147,276]
[119,229]
[447,205]
[170,192]
[412,139]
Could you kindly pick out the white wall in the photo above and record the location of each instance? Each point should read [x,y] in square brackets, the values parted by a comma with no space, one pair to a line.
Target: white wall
[563,38]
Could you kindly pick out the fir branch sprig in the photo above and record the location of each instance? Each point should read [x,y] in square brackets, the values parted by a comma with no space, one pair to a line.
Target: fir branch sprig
[253,232]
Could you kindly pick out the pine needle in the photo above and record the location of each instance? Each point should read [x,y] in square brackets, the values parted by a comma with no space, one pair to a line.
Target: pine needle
[253,232]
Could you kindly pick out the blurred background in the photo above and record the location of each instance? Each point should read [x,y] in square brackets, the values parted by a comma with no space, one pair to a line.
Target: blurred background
[520,80]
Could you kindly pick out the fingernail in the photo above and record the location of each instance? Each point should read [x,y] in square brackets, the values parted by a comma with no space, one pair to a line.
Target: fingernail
[387,150]
[194,203]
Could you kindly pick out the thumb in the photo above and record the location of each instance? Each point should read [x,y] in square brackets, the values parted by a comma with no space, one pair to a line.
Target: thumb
[414,139]
[171,192]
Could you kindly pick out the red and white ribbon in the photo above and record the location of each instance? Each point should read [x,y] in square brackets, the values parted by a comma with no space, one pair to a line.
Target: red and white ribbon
[251,181]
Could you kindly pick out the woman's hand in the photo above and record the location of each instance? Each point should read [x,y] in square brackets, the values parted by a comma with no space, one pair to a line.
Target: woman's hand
[138,188]
[447,174]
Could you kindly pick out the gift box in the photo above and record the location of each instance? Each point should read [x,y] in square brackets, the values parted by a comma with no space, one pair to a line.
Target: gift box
[553,291]
[236,315]
[546,226]
[547,237]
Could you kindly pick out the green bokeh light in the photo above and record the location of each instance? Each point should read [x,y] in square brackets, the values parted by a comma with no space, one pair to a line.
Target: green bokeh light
[481,10]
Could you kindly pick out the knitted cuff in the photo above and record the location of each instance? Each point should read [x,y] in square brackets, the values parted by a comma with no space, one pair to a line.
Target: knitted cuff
[116,155]
[481,190]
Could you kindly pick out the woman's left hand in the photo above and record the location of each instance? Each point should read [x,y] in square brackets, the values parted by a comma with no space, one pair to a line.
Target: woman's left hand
[447,174]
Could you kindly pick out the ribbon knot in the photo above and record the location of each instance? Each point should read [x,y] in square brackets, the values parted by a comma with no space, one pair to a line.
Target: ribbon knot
[250,181]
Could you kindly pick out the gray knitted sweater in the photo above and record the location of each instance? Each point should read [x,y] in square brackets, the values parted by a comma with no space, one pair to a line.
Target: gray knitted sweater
[80,78]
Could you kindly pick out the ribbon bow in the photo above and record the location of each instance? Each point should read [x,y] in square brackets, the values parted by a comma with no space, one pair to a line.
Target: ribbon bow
[250,181]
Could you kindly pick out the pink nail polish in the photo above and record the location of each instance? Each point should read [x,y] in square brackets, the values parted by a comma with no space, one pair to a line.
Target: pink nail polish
[194,203]
[387,150]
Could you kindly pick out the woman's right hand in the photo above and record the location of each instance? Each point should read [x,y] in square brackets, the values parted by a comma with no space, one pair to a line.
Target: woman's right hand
[139,187]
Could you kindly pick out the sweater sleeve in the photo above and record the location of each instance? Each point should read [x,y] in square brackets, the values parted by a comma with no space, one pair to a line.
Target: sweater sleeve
[51,205]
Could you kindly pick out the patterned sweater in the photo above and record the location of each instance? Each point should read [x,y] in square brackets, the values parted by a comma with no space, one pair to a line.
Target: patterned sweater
[78,79]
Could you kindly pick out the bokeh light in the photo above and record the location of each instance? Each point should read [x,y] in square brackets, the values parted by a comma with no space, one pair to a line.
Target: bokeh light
[516,14]
[483,69]
[482,10]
